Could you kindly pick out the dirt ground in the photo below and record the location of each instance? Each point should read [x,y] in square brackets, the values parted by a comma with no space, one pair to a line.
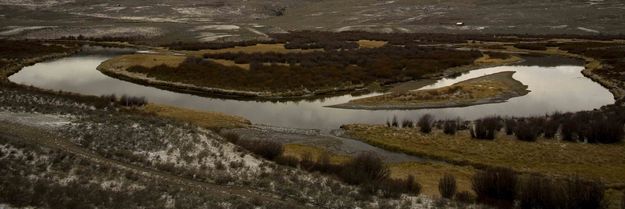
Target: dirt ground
[191,20]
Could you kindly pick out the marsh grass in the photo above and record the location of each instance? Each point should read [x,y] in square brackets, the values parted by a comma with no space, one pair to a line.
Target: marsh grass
[210,120]
[547,157]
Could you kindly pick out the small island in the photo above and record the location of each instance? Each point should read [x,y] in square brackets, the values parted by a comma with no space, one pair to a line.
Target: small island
[493,88]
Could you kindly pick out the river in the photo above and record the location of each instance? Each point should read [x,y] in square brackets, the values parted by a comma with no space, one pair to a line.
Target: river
[559,87]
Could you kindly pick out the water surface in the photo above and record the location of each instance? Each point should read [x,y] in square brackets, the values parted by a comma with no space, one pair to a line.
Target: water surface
[553,88]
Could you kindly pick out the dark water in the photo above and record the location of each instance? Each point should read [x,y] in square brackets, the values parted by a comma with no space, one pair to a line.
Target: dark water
[553,88]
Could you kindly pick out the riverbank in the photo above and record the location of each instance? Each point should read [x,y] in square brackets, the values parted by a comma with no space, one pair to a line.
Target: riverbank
[494,88]
[572,48]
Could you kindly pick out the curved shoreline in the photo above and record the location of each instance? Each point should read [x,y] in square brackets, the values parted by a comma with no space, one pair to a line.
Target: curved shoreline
[109,68]
[18,66]
[516,89]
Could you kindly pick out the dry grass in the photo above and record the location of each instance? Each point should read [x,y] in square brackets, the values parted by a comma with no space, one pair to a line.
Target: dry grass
[371,43]
[203,119]
[592,161]
[151,60]
[231,63]
[147,60]
[428,175]
[299,150]
[486,59]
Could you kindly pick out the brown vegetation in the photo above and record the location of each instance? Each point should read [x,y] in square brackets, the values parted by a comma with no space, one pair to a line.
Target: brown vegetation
[311,71]
[545,156]
[210,120]
[10,49]
[447,186]
[495,186]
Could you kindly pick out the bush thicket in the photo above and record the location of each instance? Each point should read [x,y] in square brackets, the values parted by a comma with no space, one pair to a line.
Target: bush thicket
[465,197]
[407,124]
[575,193]
[450,127]
[486,128]
[267,149]
[495,185]
[526,130]
[365,168]
[425,123]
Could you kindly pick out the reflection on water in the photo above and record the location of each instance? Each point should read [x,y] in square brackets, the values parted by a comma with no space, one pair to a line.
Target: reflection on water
[561,88]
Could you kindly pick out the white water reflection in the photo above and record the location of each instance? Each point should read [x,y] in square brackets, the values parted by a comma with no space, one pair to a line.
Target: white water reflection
[561,88]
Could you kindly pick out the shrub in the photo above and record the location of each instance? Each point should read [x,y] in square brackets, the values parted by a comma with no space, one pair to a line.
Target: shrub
[569,129]
[425,123]
[465,197]
[530,46]
[111,98]
[510,124]
[526,131]
[551,128]
[486,128]
[447,186]
[267,149]
[306,162]
[541,192]
[130,101]
[584,194]
[231,137]
[395,123]
[605,130]
[393,188]
[495,185]
[287,160]
[450,127]
[407,124]
[412,185]
[323,163]
[366,167]
[575,193]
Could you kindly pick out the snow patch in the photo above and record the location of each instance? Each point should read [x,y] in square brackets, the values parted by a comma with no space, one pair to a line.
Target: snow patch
[38,120]
[257,32]
[588,30]
[14,30]
[208,36]
[216,27]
